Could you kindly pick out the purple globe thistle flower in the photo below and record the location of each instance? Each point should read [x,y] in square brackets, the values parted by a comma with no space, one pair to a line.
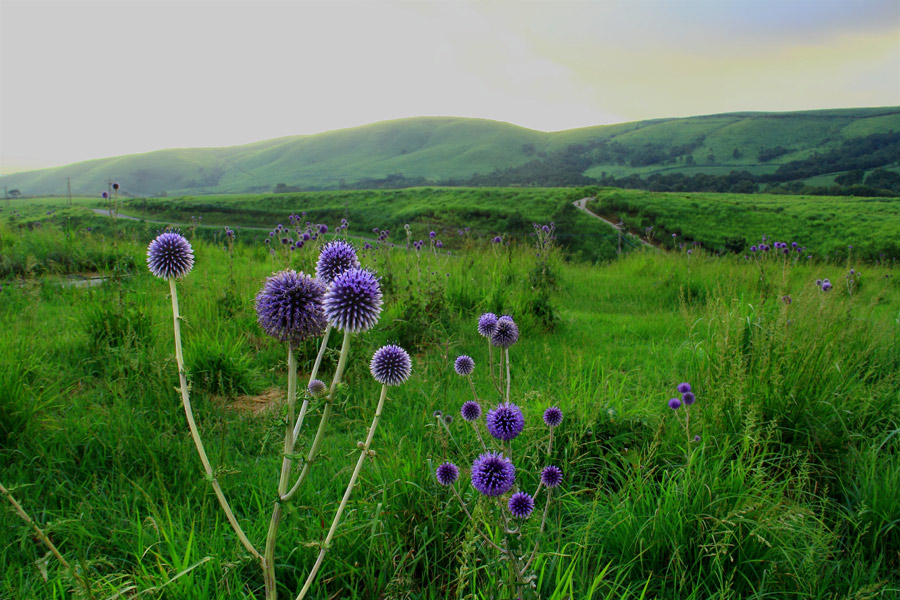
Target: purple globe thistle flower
[683,388]
[448,419]
[353,301]
[104,195]
[432,235]
[437,414]
[819,282]
[316,387]
[335,258]
[464,365]
[752,248]
[496,240]
[786,299]
[470,410]
[289,306]
[439,244]
[674,403]
[447,473]
[506,334]
[170,255]
[493,474]
[551,476]
[116,186]
[390,365]
[696,438]
[505,422]
[688,398]
[323,229]
[487,324]
[553,416]
[826,285]
[521,505]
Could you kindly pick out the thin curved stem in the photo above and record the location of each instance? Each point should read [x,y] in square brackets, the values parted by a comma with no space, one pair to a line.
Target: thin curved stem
[312,376]
[474,523]
[537,539]
[363,453]
[195,434]
[506,351]
[326,413]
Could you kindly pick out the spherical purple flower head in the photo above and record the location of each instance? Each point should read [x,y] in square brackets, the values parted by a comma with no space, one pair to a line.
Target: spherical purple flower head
[752,248]
[487,324]
[688,398]
[521,505]
[696,438]
[826,285]
[674,403]
[819,282]
[316,387]
[390,365]
[551,476]
[553,416]
[493,474]
[104,195]
[289,307]
[170,255]
[505,422]
[464,365]
[470,410]
[447,473]
[116,186]
[353,301]
[683,388]
[506,334]
[323,229]
[336,257]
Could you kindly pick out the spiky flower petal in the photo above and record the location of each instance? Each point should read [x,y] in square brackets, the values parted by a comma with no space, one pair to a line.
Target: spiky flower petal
[353,301]
[390,365]
[487,324]
[553,416]
[506,334]
[336,257]
[470,410]
[289,306]
[493,474]
[447,473]
[464,365]
[551,476]
[505,422]
[170,255]
[521,505]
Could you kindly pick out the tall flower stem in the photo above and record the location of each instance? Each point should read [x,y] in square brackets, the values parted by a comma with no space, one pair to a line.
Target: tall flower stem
[269,575]
[363,453]
[45,540]
[326,413]
[506,352]
[537,539]
[195,434]
[312,376]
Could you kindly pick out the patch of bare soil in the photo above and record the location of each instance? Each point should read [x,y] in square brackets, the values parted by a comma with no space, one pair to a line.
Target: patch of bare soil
[269,400]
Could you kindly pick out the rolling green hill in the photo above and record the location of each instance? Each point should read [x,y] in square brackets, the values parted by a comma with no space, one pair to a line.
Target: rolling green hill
[455,151]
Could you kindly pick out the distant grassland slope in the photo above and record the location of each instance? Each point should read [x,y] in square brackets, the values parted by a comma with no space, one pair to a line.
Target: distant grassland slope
[461,151]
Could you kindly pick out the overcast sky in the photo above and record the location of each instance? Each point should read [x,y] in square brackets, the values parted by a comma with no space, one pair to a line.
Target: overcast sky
[82,80]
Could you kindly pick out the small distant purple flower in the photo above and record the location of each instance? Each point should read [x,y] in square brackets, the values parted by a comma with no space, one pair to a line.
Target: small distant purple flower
[521,505]
[335,258]
[674,403]
[545,229]
[170,255]
[115,186]
[493,474]
[688,398]
[752,248]
[104,195]
[487,324]
[696,438]
[506,334]
[470,410]
[447,473]
[786,299]
[826,285]
[316,387]
[505,422]
[683,388]
[323,229]
[819,282]
[353,301]
[390,365]
[432,235]
[496,240]
[439,244]
[553,416]
[551,476]
[464,365]
[289,306]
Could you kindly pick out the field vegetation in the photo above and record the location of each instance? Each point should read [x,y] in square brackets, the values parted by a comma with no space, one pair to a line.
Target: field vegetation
[788,492]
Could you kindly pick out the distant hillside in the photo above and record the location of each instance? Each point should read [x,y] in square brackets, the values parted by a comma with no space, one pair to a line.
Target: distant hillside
[773,149]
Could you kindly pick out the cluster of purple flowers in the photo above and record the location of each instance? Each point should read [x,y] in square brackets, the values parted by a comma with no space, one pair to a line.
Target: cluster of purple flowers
[824,285]
[687,397]
[501,331]
[793,249]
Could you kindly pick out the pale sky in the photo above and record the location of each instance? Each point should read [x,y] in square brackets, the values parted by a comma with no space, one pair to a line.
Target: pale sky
[81,80]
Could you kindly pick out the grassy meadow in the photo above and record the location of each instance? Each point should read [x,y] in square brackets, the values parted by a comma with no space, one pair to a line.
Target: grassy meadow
[790,491]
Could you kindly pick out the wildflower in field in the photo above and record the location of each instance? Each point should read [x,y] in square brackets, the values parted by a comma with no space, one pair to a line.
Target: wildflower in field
[506,334]
[170,255]
[390,365]
[353,301]
[448,419]
[336,257]
[323,229]
[786,299]
[551,476]
[470,410]
[553,416]
[496,240]
[447,473]
[688,398]
[521,505]
[505,422]
[683,388]
[487,324]
[464,365]
[493,474]
[696,438]
[104,195]
[674,403]
[437,414]
[317,387]
[290,306]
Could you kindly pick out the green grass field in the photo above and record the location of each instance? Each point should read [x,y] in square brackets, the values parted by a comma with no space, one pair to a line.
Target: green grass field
[789,493]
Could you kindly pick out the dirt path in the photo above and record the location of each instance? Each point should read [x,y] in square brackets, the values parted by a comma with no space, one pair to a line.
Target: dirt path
[582,206]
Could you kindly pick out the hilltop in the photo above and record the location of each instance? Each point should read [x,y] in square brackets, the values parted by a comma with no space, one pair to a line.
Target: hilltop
[772,148]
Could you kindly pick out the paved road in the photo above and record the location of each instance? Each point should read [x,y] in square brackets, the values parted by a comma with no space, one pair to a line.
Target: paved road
[582,206]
